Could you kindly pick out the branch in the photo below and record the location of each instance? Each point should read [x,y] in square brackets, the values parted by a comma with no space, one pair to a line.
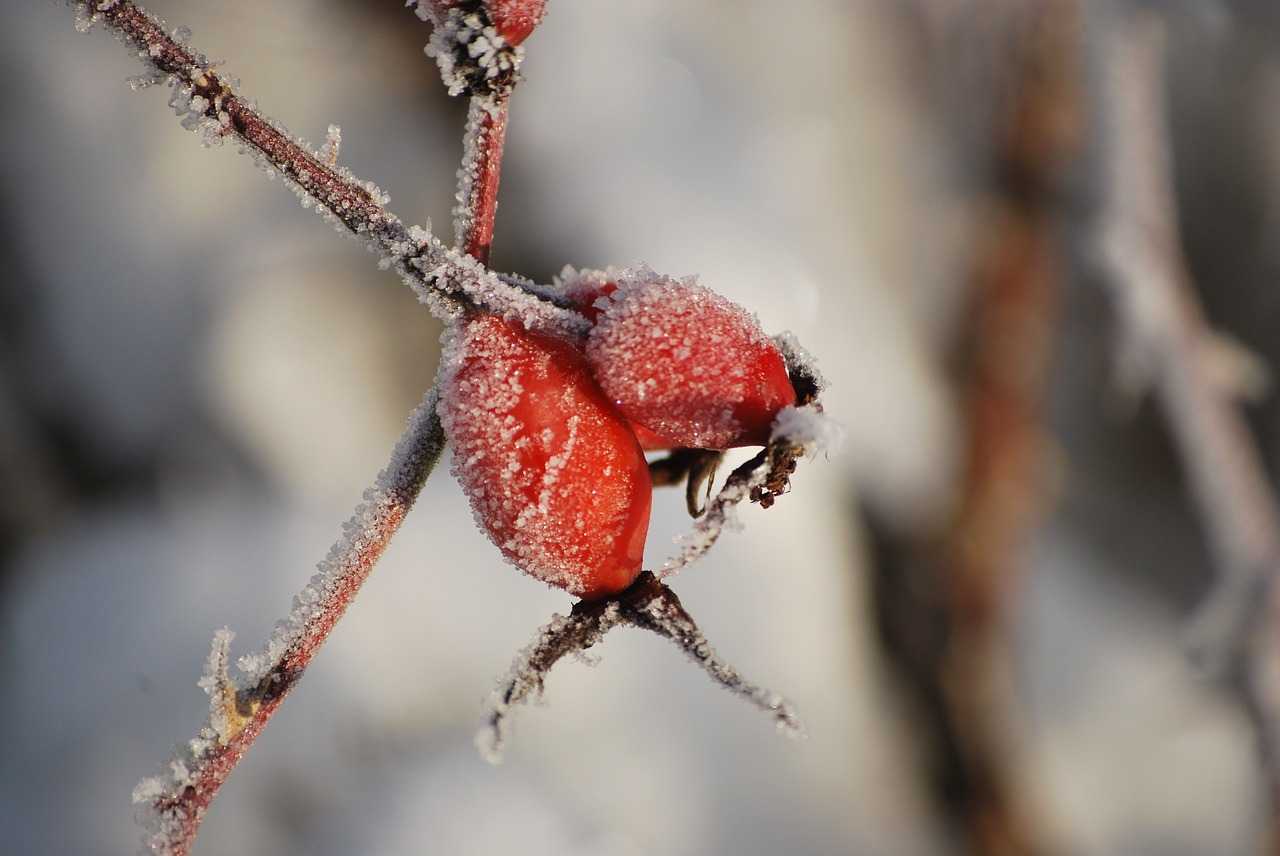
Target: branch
[478,176]
[176,799]
[1169,342]
[447,281]
[1168,338]
[648,605]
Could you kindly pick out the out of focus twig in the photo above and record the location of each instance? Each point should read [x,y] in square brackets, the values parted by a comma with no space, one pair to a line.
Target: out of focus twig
[1168,342]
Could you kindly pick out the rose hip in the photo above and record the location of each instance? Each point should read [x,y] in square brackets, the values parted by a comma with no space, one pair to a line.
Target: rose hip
[555,476]
[688,365]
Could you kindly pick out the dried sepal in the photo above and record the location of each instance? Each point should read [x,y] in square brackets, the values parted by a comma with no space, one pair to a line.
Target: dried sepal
[696,467]
[474,55]
[647,605]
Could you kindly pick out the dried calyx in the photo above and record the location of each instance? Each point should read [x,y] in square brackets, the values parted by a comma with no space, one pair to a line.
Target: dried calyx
[476,43]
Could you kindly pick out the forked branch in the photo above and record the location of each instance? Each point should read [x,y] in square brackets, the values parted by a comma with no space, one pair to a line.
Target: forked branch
[648,605]
[1169,340]
[446,280]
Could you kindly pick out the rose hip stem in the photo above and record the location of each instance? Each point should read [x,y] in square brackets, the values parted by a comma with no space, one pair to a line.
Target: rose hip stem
[478,176]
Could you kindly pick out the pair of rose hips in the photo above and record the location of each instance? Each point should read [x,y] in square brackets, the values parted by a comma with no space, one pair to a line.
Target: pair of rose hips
[549,434]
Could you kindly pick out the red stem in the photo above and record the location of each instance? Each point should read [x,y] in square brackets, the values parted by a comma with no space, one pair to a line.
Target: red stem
[478,177]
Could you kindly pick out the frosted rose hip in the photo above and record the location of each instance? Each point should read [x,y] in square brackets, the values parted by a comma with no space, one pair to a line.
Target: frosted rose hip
[687,364]
[555,476]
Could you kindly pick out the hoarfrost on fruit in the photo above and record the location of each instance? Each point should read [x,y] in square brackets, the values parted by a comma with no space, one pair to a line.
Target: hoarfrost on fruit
[555,476]
[687,364]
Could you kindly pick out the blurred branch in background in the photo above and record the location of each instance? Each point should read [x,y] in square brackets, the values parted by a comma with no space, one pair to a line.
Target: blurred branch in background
[944,599]
[1168,343]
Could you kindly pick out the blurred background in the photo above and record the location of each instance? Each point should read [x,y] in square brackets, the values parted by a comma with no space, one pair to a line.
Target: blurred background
[978,604]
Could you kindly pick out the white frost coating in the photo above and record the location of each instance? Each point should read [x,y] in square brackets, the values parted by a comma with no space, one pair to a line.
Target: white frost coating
[145,80]
[415,453]
[808,426]
[721,514]
[685,362]
[217,684]
[472,144]
[799,360]
[423,9]
[332,142]
[455,272]
[463,36]
[540,454]
[433,271]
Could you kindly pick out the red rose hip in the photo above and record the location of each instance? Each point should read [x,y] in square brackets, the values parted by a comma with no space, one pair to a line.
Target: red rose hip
[690,366]
[555,476]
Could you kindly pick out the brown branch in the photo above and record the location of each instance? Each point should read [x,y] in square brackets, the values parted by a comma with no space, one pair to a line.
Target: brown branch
[446,280]
[945,599]
[175,801]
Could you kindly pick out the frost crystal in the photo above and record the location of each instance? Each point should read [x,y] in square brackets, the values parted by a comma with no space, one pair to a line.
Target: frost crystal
[332,142]
[217,684]
[473,57]
[553,472]
[808,426]
[647,605]
[686,363]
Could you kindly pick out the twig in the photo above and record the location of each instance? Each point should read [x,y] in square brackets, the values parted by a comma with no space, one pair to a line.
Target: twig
[175,800]
[478,176]
[648,605]
[1168,339]
[446,280]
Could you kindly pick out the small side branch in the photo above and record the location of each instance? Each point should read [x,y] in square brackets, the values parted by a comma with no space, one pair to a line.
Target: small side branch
[648,605]
[174,802]
[1168,341]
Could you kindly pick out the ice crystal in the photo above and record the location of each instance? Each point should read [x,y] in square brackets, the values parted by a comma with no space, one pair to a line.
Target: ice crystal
[473,57]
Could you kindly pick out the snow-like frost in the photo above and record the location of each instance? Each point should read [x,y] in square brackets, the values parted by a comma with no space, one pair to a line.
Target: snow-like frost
[683,361]
[810,427]
[542,456]
[216,682]
[472,56]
